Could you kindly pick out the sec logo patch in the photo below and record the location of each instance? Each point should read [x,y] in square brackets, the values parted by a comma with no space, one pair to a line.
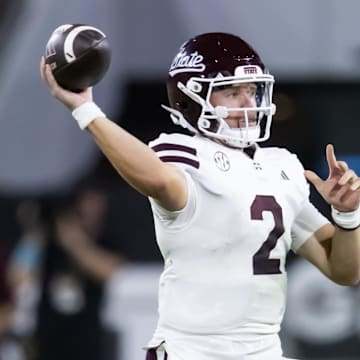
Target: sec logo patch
[222,161]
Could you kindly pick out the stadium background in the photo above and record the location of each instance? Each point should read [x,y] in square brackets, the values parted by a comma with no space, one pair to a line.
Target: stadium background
[312,48]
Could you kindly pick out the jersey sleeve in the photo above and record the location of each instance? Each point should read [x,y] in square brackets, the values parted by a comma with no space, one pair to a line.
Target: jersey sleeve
[177,150]
[308,218]
[299,177]
[177,220]
[308,221]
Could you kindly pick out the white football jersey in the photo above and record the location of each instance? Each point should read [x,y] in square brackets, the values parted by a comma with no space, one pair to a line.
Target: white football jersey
[224,274]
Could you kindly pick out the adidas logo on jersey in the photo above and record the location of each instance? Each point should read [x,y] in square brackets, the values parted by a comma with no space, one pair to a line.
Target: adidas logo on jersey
[283,175]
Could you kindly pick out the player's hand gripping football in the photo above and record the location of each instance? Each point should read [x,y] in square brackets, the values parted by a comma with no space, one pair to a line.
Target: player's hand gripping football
[70,99]
[342,187]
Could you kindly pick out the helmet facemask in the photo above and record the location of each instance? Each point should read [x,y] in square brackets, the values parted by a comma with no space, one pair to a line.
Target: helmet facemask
[212,120]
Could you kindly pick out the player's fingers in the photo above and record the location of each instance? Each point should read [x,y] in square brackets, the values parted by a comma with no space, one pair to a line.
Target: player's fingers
[331,159]
[313,178]
[343,165]
[355,185]
[49,75]
[349,176]
[51,80]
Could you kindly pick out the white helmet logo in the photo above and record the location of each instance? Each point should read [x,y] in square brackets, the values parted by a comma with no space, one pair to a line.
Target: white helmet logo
[186,63]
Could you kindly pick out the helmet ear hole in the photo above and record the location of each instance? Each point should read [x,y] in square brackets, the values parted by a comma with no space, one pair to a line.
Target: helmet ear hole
[204,123]
[193,86]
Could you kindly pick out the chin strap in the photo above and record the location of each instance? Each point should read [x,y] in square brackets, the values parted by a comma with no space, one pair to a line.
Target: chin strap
[241,137]
[178,118]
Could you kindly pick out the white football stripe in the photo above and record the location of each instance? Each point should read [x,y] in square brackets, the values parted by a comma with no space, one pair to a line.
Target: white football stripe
[69,41]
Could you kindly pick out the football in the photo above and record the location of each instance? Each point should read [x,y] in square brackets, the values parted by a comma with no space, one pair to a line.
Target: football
[79,56]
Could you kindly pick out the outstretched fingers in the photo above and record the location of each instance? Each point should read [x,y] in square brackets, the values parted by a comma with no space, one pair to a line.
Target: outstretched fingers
[313,178]
[331,160]
[355,185]
[342,188]
[343,165]
[348,177]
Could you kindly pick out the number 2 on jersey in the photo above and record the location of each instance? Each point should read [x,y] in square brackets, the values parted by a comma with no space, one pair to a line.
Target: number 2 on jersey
[262,264]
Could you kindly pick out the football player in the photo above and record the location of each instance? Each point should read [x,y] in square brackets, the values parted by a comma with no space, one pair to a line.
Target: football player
[226,210]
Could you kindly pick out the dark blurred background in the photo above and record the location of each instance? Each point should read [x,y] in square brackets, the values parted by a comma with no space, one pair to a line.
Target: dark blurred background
[78,258]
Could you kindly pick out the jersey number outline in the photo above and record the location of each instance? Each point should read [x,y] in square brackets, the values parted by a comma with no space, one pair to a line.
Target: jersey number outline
[262,264]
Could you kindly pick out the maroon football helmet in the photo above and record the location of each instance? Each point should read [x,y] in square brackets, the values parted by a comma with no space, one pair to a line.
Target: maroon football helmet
[213,61]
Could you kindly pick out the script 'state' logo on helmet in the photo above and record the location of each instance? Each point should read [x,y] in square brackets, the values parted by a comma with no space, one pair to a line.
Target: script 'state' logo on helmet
[187,63]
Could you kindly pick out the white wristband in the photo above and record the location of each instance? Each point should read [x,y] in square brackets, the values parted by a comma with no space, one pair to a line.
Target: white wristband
[86,114]
[346,220]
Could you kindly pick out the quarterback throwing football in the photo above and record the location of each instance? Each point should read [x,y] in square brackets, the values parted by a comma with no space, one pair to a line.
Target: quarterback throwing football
[226,210]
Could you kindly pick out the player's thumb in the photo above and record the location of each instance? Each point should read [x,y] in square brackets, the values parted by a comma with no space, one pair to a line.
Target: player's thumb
[313,178]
